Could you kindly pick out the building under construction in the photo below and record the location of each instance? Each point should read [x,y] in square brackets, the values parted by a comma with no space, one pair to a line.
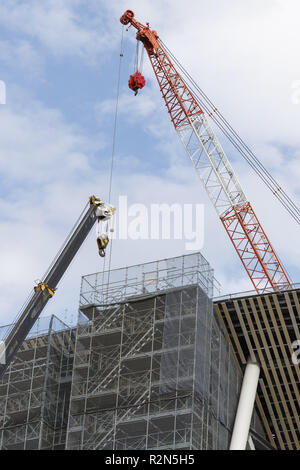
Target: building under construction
[156,361]
[264,328]
[151,364]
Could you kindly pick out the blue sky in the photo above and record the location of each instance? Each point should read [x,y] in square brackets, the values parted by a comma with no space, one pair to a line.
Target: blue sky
[59,60]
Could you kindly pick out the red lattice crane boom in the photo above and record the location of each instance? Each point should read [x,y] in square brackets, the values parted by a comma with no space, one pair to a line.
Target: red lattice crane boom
[209,159]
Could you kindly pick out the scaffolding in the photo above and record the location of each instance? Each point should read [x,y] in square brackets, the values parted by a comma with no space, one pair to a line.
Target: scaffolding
[263,328]
[35,390]
[152,368]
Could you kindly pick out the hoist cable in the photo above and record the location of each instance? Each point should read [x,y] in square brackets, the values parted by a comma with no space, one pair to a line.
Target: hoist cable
[115,119]
[136,65]
[231,135]
[142,60]
[240,145]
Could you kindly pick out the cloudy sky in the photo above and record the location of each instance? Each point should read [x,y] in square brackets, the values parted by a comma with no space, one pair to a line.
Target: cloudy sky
[59,60]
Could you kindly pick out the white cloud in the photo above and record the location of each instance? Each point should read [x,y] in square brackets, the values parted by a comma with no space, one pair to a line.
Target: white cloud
[134,109]
[241,53]
[37,144]
[47,175]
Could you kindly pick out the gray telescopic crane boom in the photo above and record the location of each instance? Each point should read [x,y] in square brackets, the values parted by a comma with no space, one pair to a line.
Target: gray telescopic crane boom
[96,211]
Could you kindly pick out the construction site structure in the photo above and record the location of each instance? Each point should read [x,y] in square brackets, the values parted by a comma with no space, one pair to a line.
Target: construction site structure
[263,328]
[142,364]
[212,165]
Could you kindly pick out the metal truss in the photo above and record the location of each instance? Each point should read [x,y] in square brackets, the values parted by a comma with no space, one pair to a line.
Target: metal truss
[179,101]
[219,180]
[106,290]
[211,163]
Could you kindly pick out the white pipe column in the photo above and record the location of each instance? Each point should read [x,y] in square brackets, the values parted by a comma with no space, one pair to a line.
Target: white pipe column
[245,407]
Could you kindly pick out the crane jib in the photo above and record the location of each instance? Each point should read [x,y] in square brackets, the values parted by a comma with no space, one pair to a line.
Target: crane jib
[212,166]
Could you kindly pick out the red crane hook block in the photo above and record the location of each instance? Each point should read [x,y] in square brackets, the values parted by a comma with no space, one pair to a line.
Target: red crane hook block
[136,82]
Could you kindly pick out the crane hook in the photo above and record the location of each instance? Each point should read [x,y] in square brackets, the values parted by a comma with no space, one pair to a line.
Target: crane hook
[102,242]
